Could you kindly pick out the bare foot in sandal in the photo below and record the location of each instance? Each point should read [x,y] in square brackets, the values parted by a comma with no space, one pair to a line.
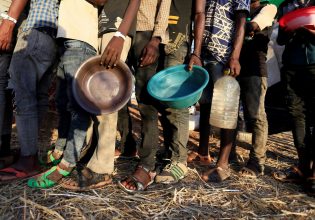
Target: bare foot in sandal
[84,178]
[217,174]
[138,181]
[51,177]
[251,171]
[54,156]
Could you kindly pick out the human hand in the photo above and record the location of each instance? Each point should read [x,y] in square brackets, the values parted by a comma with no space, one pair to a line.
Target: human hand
[194,60]
[150,52]
[112,52]
[6,35]
[234,66]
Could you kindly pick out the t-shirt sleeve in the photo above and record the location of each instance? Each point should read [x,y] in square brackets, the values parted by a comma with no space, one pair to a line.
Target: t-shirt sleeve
[241,5]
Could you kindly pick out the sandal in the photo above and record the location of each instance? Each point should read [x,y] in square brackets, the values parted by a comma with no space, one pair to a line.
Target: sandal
[51,159]
[42,181]
[85,179]
[217,174]
[10,174]
[202,160]
[291,175]
[172,173]
[250,172]
[140,179]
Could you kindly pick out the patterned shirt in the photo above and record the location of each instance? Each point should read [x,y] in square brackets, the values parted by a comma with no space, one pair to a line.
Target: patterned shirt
[220,26]
[153,16]
[43,13]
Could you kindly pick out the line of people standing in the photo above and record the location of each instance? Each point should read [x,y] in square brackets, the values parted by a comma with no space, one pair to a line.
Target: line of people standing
[65,33]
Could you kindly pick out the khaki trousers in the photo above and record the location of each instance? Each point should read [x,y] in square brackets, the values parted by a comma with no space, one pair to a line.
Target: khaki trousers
[105,126]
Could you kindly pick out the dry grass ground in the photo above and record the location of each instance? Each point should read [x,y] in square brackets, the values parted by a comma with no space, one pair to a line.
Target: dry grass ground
[237,198]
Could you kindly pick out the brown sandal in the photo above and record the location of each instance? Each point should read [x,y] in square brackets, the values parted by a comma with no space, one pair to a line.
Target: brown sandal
[248,172]
[141,179]
[217,174]
[85,179]
[291,175]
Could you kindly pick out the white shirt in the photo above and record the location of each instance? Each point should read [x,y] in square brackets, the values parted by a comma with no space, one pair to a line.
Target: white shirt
[78,20]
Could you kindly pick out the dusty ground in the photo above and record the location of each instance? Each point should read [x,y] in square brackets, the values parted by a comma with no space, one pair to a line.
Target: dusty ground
[237,198]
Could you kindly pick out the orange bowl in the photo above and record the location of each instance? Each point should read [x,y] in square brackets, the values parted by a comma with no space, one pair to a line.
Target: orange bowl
[100,90]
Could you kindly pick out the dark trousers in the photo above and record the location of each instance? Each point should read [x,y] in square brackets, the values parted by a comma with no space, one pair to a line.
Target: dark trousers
[175,121]
[148,112]
[6,107]
[300,97]
[124,126]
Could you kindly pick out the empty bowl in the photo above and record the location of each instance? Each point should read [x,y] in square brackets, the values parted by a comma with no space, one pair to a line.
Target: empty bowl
[101,90]
[177,87]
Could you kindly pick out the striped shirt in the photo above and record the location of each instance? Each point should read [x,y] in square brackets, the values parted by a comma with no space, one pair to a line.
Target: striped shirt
[43,13]
[153,16]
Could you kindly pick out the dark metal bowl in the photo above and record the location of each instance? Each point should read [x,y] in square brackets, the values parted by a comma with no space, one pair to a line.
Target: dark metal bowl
[100,90]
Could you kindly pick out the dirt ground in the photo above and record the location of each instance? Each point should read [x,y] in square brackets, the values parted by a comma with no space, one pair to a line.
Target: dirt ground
[191,198]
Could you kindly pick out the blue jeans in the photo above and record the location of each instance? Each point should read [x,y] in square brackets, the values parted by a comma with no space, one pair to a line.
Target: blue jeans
[6,105]
[74,54]
[30,70]
[175,122]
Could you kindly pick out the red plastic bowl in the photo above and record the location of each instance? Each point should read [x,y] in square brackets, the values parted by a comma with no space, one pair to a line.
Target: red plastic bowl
[304,17]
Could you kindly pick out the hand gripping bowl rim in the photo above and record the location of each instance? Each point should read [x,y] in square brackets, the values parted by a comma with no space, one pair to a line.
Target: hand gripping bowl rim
[168,70]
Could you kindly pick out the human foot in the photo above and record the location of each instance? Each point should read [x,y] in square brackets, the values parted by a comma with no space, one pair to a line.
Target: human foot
[84,178]
[26,166]
[202,160]
[54,156]
[217,174]
[51,177]
[138,181]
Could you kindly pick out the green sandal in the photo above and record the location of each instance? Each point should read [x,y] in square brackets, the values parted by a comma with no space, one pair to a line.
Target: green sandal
[51,159]
[43,182]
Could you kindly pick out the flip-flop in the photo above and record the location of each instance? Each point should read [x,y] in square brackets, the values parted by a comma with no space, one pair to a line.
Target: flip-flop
[15,174]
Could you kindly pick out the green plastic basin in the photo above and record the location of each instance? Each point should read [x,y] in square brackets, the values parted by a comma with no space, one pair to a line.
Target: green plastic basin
[178,88]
